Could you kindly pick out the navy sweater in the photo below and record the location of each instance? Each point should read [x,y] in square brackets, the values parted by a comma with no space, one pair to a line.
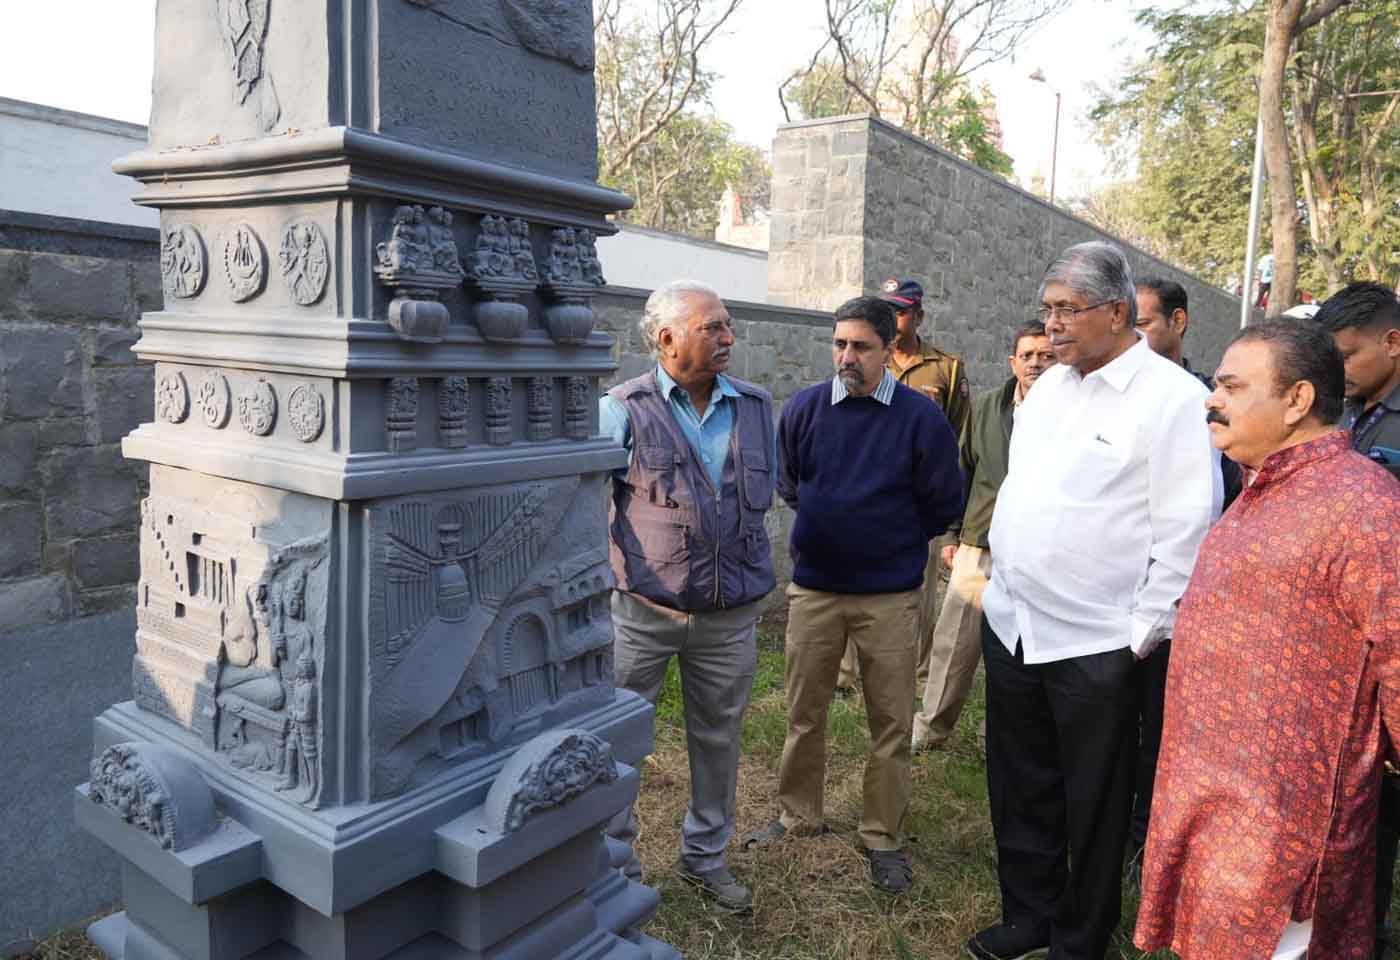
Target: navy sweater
[871,485]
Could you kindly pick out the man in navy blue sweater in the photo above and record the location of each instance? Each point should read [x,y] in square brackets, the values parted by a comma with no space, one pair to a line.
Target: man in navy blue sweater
[871,467]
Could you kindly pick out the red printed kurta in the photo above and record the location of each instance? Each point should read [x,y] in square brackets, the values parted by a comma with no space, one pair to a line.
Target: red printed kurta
[1283,678]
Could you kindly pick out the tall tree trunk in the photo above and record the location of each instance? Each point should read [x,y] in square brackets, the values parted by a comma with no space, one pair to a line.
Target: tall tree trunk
[1283,197]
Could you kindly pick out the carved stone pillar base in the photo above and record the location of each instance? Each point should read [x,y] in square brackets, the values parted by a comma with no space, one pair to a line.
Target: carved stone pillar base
[504,858]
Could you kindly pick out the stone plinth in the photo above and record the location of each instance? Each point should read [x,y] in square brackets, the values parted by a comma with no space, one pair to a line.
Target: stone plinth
[374,578]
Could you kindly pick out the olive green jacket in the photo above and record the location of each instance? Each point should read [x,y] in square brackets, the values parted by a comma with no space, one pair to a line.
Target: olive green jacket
[987,451]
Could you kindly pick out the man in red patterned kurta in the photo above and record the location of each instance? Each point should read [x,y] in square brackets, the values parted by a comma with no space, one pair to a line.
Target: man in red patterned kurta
[1284,687]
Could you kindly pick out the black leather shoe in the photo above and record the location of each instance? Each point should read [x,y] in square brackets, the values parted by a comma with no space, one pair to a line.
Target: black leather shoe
[1006,941]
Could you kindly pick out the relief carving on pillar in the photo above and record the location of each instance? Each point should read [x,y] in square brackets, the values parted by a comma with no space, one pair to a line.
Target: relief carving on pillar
[243,25]
[172,397]
[499,272]
[306,412]
[453,407]
[183,264]
[213,399]
[257,408]
[498,411]
[480,630]
[576,392]
[540,409]
[245,262]
[419,261]
[230,620]
[401,413]
[570,280]
[547,772]
[305,260]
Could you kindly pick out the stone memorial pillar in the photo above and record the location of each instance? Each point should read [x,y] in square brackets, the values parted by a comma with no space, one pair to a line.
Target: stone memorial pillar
[373,708]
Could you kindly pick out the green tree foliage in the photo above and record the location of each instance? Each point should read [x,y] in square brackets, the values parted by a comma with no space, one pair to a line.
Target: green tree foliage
[658,139]
[1183,121]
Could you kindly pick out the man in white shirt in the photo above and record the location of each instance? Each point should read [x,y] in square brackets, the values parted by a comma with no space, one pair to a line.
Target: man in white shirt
[1112,484]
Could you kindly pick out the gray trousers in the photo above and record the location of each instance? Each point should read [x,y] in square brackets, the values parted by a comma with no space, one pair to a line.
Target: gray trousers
[718,653]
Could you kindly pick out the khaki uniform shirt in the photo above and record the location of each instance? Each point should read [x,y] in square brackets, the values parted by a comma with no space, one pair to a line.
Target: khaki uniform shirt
[940,377]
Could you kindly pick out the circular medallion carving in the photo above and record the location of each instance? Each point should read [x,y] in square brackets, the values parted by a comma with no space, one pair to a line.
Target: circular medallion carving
[182,261]
[212,398]
[244,262]
[172,397]
[306,412]
[257,408]
[305,260]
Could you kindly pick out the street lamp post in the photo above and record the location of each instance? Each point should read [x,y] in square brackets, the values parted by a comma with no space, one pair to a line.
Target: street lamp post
[1039,77]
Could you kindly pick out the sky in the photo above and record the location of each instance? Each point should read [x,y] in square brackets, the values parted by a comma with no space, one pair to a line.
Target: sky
[104,68]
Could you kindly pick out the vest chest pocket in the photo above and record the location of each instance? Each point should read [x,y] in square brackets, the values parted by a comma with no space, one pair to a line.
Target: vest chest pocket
[654,472]
[758,479]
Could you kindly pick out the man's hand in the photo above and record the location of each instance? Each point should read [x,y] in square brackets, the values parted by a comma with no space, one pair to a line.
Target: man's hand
[946,555]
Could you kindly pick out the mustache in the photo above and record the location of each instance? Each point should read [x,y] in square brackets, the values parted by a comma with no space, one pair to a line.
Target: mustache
[1215,416]
[853,372]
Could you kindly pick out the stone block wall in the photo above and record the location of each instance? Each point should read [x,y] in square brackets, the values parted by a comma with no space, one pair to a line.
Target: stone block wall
[856,200]
[71,292]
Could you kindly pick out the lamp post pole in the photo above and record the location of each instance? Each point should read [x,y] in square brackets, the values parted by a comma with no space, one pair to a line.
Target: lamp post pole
[1039,77]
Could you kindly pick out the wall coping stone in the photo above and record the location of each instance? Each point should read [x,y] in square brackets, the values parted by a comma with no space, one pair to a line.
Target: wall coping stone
[625,227]
[776,312]
[46,233]
[26,110]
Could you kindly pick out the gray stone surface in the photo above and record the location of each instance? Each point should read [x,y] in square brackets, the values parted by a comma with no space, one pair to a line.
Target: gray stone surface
[52,680]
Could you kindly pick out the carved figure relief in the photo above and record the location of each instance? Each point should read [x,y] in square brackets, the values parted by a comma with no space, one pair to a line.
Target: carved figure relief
[119,780]
[300,769]
[245,262]
[257,408]
[419,260]
[306,412]
[182,261]
[305,260]
[590,267]
[401,414]
[564,266]
[521,254]
[502,269]
[452,412]
[576,408]
[212,398]
[243,25]
[540,409]
[172,397]
[571,278]
[498,411]
[548,772]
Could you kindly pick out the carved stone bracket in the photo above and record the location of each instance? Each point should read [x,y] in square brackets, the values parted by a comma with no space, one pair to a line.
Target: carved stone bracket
[572,276]
[547,772]
[499,272]
[419,260]
[401,414]
[155,790]
[453,407]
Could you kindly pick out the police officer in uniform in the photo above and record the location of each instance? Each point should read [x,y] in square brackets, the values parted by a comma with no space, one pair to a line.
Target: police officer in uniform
[1364,319]
[942,378]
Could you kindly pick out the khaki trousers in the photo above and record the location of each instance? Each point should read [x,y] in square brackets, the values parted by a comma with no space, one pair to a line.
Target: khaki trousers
[881,627]
[930,602]
[718,654]
[955,649]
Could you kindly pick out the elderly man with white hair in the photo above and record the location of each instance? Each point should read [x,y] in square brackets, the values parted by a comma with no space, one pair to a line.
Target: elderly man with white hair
[691,555]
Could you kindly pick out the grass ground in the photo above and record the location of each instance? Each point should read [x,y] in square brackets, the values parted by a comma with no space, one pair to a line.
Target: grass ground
[813,897]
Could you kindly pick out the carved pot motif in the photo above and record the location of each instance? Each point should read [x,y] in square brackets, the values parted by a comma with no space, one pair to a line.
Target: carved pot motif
[501,320]
[569,322]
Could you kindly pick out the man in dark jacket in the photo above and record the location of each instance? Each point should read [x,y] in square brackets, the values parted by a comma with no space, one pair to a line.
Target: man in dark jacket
[691,556]
[871,468]
[957,639]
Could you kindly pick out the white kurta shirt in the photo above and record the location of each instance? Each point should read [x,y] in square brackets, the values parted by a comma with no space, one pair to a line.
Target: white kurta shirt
[1111,486]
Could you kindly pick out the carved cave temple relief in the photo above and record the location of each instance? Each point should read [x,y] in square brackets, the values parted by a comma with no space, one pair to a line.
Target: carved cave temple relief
[571,278]
[576,397]
[539,410]
[305,261]
[453,408]
[183,263]
[419,260]
[498,411]
[245,262]
[401,414]
[501,270]
[243,26]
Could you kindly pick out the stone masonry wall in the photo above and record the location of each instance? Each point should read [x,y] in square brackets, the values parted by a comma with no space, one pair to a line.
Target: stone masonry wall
[71,292]
[856,200]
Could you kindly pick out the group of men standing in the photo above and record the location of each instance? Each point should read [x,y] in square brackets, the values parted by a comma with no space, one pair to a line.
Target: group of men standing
[1079,527]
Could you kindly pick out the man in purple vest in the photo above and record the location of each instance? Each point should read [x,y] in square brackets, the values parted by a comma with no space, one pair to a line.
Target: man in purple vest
[871,468]
[691,555]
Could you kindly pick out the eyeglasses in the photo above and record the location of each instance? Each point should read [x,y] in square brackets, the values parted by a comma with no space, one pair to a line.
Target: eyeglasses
[1066,314]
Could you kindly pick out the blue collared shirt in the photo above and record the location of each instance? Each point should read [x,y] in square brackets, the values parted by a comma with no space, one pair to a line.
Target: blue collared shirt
[709,435]
[884,390]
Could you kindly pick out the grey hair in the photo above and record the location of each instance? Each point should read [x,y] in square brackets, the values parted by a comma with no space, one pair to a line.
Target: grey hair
[666,308]
[1096,269]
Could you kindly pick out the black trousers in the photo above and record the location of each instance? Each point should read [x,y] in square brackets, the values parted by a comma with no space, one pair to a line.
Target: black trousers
[1387,840]
[1061,739]
[1153,689]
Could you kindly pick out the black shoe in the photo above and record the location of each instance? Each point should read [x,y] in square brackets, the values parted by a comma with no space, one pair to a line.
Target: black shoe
[1006,941]
[890,871]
